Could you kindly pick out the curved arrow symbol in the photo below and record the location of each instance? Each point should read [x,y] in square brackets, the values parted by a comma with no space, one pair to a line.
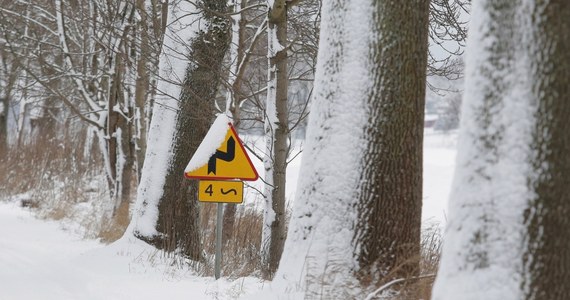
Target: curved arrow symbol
[225,156]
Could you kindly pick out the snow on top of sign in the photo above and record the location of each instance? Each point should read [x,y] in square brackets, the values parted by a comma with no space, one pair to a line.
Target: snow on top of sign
[213,140]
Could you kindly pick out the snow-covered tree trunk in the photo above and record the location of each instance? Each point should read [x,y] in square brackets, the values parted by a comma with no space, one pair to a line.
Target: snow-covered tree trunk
[276,138]
[161,129]
[508,229]
[167,201]
[3,124]
[9,73]
[357,213]
[23,110]
[142,88]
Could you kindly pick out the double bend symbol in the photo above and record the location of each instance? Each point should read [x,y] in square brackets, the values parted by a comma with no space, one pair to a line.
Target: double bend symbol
[225,156]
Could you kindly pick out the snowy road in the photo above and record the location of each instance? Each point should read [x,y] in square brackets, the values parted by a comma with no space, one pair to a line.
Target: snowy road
[40,261]
[34,257]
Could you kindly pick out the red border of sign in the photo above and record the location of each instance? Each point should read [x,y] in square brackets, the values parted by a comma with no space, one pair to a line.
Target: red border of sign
[231,178]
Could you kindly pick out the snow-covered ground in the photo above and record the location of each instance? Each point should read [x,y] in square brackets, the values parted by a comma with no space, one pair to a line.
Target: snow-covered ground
[38,260]
[439,164]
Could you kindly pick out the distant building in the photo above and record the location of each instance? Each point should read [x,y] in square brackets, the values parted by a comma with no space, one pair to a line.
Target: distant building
[430,120]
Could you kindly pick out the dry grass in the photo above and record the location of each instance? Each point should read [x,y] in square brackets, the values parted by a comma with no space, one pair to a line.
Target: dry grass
[113,229]
[336,282]
[416,287]
[55,180]
[240,255]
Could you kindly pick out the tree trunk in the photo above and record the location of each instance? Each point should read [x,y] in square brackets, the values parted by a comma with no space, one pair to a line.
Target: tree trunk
[276,133]
[121,156]
[546,257]
[390,193]
[508,227]
[3,125]
[356,218]
[10,74]
[142,91]
[23,111]
[178,206]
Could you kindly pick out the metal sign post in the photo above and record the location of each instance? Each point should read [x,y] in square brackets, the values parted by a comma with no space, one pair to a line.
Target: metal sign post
[219,225]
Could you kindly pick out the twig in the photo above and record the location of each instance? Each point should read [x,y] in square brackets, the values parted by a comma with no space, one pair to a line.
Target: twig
[391,283]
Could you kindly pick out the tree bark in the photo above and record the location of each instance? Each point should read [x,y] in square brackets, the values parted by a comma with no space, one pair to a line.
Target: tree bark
[546,257]
[142,88]
[277,133]
[356,218]
[508,225]
[178,206]
[390,193]
[10,73]
[120,150]
[3,125]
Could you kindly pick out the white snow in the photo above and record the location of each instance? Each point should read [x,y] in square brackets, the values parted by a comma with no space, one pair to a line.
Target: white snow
[120,166]
[40,261]
[439,164]
[212,141]
[153,171]
[274,46]
[270,3]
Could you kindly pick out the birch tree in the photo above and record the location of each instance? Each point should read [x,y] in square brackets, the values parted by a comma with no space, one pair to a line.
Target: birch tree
[508,226]
[356,219]
[276,132]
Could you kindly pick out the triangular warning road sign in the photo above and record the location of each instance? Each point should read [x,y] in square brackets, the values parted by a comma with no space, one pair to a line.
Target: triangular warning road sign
[229,161]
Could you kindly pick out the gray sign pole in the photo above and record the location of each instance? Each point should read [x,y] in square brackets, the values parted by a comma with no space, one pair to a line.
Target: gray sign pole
[219,225]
